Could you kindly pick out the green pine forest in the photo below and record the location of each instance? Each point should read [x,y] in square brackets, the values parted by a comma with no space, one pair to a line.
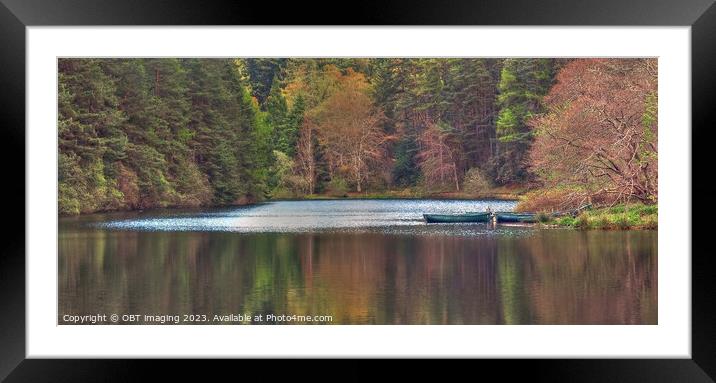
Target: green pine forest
[187,132]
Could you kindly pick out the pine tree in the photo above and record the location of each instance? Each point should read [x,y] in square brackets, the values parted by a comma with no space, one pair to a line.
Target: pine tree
[523,84]
[263,72]
[90,137]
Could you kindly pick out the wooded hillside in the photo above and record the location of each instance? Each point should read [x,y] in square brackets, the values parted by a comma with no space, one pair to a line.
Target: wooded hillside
[143,133]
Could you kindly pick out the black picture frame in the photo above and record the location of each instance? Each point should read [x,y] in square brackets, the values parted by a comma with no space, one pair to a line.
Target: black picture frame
[16,15]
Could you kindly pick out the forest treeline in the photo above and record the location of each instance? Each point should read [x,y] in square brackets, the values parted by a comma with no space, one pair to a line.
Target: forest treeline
[143,133]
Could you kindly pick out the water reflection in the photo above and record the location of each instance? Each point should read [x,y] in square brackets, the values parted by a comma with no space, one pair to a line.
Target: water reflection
[544,277]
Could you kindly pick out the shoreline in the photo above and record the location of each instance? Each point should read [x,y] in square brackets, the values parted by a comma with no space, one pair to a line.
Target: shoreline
[457,197]
[319,197]
[619,217]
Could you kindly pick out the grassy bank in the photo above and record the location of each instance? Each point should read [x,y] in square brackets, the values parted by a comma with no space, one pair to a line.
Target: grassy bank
[620,217]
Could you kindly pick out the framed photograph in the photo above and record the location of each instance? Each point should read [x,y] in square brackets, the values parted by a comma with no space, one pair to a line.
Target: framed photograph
[485,181]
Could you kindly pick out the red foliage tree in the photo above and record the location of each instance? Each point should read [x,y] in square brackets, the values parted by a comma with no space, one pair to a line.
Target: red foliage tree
[599,134]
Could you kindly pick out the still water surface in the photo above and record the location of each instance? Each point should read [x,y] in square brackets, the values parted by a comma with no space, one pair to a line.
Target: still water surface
[357,261]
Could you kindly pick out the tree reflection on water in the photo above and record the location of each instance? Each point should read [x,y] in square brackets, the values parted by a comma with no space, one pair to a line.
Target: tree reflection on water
[549,277]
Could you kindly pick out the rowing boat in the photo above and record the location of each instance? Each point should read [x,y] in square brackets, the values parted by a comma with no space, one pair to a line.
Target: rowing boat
[516,217]
[458,218]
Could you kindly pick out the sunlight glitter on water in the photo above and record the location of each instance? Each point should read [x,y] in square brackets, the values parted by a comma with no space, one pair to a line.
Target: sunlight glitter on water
[390,216]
